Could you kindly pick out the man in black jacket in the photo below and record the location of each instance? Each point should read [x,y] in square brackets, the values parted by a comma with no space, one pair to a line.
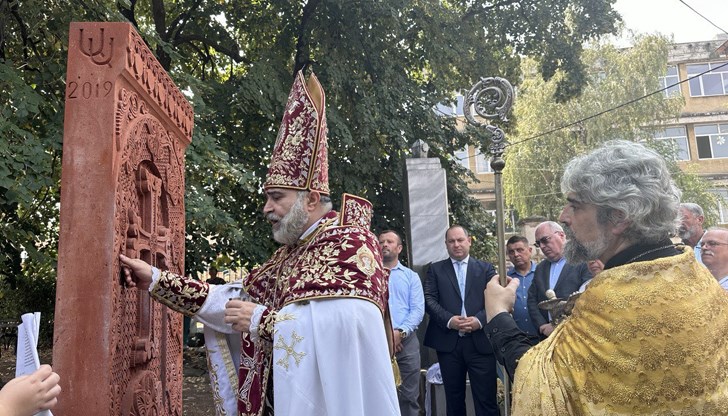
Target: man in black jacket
[454,300]
[552,273]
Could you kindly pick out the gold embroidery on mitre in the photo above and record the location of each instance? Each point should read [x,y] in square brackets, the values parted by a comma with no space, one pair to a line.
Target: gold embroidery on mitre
[364,260]
[300,155]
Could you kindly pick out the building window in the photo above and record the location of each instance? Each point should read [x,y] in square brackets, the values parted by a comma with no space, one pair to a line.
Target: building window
[712,140]
[461,156]
[722,204]
[714,82]
[460,105]
[670,82]
[677,140]
[455,109]
[482,163]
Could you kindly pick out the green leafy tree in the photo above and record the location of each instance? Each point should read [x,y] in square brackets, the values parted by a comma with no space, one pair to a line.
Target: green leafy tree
[384,66]
[535,161]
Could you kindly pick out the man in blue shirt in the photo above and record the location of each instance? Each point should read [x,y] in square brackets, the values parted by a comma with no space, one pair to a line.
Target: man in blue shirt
[407,308]
[519,253]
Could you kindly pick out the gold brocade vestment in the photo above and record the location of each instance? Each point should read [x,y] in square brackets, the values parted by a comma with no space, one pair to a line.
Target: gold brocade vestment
[644,338]
[336,261]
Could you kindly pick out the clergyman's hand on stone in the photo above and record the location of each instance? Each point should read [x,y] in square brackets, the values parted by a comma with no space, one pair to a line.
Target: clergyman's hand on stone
[238,313]
[137,273]
[498,298]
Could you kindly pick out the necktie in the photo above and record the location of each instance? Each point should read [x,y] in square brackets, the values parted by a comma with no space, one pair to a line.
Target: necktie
[461,272]
[461,277]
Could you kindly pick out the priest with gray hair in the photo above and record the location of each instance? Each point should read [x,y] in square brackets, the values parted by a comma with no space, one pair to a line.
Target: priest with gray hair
[649,334]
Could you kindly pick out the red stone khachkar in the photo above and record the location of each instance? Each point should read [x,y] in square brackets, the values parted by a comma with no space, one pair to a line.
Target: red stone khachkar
[122,191]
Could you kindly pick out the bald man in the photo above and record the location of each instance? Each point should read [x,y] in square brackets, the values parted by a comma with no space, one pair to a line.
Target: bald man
[715,254]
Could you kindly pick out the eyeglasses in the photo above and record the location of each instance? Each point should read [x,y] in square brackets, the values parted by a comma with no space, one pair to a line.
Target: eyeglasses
[544,240]
[711,244]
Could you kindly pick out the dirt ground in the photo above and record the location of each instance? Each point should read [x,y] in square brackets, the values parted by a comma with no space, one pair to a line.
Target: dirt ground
[196,393]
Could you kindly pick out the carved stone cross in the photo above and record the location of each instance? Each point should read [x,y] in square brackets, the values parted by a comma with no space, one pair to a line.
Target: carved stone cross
[122,191]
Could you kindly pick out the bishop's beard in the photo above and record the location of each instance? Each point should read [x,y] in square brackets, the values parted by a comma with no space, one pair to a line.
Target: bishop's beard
[292,225]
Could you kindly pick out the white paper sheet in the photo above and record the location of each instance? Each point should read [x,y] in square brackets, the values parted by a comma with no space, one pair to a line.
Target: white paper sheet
[26,358]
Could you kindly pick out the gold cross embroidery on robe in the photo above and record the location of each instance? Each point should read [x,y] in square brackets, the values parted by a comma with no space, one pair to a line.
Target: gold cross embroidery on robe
[289,350]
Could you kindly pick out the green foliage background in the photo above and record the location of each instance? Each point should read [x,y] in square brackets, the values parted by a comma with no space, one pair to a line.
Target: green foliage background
[615,76]
[384,66]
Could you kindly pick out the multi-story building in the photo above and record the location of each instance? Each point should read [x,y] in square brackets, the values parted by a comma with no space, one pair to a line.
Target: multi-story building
[700,133]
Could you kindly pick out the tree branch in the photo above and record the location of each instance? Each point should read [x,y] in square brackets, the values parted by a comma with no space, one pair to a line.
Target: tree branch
[303,57]
[160,16]
[130,14]
[473,12]
[23,29]
[233,53]
[177,25]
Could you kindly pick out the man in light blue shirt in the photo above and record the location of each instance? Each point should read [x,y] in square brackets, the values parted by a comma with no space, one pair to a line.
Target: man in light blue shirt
[407,308]
[519,253]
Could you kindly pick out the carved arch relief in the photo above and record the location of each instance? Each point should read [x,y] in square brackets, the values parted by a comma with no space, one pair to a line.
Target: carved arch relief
[150,221]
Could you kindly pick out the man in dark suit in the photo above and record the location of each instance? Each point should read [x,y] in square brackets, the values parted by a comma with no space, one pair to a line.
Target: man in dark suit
[454,300]
[552,273]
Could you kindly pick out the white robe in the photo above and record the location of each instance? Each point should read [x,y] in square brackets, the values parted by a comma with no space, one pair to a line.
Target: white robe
[328,360]
[223,347]
[334,365]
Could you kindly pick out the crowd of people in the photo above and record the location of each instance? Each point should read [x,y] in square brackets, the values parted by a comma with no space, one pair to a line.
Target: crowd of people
[620,353]
[328,325]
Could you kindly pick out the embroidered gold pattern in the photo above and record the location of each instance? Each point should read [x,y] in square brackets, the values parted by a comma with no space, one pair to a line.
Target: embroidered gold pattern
[216,396]
[364,259]
[643,339]
[289,350]
[282,317]
[325,265]
[182,295]
[356,211]
[300,156]
[244,384]
[266,327]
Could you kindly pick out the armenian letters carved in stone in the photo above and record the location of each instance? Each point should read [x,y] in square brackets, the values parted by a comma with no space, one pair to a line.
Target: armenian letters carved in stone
[127,127]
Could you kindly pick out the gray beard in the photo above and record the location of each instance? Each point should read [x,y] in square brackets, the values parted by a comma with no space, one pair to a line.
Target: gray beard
[686,234]
[291,226]
[577,252]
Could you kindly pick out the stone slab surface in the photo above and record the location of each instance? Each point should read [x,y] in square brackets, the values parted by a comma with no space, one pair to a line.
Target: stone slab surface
[126,129]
